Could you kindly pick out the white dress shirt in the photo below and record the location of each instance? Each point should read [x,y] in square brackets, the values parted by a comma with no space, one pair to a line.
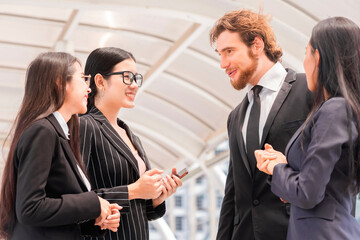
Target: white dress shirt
[271,83]
[65,129]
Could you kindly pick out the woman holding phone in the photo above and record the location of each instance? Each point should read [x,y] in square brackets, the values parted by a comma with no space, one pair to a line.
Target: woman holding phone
[113,154]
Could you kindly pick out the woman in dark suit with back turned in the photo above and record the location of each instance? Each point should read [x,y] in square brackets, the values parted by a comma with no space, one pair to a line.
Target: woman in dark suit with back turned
[321,171]
[114,156]
[45,193]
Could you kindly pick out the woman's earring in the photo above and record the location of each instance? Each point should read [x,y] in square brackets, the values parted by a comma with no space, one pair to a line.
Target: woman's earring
[103,93]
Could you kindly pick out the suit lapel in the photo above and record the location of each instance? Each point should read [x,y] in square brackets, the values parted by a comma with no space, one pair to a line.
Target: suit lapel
[240,138]
[280,98]
[114,138]
[296,135]
[293,138]
[135,140]
[67,150]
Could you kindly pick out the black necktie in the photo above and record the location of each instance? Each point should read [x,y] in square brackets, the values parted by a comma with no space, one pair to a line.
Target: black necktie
[252,131]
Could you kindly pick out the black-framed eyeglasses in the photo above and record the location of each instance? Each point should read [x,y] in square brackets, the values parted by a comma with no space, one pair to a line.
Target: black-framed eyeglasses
[86,78]
[129,77]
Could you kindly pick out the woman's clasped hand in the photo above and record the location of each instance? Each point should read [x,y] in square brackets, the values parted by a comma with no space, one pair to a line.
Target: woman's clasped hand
[110,215]
[268,158]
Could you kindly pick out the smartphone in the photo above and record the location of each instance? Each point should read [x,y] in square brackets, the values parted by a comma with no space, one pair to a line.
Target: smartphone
[182,173]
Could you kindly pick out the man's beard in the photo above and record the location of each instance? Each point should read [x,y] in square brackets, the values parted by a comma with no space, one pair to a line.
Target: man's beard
[246,75]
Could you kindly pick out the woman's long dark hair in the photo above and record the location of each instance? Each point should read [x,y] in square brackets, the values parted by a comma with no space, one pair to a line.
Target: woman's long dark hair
[45,85]
[337,40]
[103,61]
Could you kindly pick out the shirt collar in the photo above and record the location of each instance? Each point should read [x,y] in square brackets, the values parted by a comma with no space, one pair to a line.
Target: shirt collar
[272,79]
[62,123]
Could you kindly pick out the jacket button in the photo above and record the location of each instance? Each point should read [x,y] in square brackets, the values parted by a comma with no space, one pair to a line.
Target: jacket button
[256,202]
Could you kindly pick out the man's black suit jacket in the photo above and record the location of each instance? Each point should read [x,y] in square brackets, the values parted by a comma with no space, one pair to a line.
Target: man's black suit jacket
[249,209]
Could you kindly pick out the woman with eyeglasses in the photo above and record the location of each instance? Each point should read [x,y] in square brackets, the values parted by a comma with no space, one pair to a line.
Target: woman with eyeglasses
[113,155]
[45,193]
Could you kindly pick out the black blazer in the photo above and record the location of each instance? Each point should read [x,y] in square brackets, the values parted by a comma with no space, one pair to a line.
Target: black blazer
[51,197]
[249,209]
[111,167]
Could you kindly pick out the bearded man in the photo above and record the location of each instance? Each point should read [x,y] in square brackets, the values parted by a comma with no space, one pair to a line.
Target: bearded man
[276,104]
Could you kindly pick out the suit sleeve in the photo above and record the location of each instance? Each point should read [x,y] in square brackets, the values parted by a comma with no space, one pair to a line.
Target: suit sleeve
[118,194]
[88,229]
[329,134]
[227,213]
[35,152]
[154,213]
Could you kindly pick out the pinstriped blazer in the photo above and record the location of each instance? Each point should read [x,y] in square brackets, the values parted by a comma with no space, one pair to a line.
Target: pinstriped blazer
[111,167]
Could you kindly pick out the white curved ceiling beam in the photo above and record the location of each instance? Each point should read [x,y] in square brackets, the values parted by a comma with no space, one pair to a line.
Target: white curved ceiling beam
[204,57]
[169,121]
[114,30]
[164,140]
[84,26]
[67,30]
[175,50]
[302,9]
[200,11]
[191,85]
[199,90]
[183,109]
[30,18]
[196,11]
[158,148]
[157,144]
[18,84]
[73,21]
[191,51]
[9,67]
[43,48]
